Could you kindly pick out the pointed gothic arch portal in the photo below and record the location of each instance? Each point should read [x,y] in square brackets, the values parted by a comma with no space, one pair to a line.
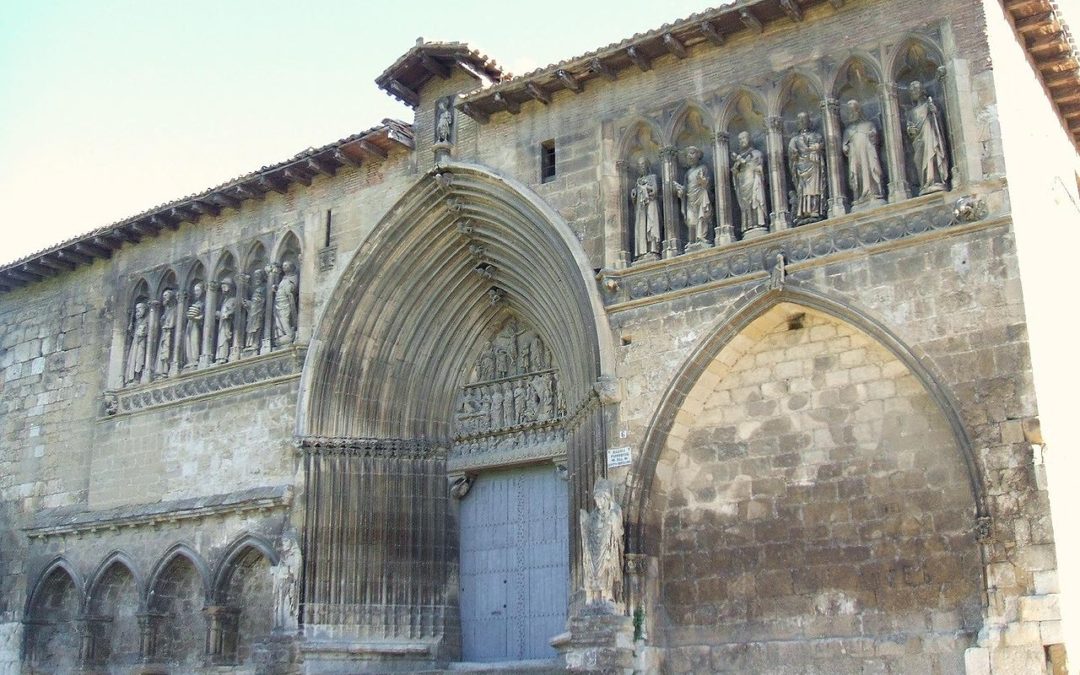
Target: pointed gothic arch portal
[471,291]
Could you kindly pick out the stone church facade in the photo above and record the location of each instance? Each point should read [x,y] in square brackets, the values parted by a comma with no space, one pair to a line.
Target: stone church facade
[702,352]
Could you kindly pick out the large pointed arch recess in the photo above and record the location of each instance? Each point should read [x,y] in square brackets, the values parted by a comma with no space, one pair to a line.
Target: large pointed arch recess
[403,324]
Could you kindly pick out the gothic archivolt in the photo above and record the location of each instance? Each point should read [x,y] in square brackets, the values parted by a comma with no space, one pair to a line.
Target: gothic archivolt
[756,160]
[212,310]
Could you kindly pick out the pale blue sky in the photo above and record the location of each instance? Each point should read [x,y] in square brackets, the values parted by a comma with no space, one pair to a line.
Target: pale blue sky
[112,106]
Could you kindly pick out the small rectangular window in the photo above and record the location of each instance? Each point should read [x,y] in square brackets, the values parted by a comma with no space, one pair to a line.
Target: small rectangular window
[547,161]
[329,225]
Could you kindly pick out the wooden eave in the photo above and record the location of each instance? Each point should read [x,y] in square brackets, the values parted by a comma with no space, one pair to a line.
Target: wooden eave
[639,52]
[411,71]
[1040,29]
[375,144]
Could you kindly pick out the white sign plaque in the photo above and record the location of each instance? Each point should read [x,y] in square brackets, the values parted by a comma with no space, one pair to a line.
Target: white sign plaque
[618,457]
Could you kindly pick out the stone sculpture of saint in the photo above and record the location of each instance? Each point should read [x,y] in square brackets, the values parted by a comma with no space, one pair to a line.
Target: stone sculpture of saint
[444,122]
[521,413]
[225,317]
[748,175]
[694,194]
[167,332]
[547,401]
[509,418]
[498,421]
[140,331]
[806,162]
[255,307]
[601,545]
[927,141]
[193,332]
[285,304]
[864,164]
[645,193]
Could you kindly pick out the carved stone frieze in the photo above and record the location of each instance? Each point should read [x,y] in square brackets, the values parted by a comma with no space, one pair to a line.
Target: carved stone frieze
[370,447]
[805,243]
[199,383]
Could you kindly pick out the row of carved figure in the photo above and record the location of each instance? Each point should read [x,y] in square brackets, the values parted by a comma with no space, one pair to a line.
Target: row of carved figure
[489,407]
[187,330]
[807,168]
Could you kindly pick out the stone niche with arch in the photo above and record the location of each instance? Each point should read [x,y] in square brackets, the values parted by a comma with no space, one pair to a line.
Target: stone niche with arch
[223,307]
[844,134]
[179,613]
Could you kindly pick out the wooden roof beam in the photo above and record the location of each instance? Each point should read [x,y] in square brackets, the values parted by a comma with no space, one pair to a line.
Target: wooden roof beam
[711,32]
[477,114]
[602,69]
[792,9]
[341,157]
[90,249]
[22,277]
[751,21]
[56,263]
[162,222]
[272,185]
[7,285]
[318,165]
[640,58]
[569,81]
[124,233]
[179,214]
[205,208]
[145,228]
[372,149]
[401,139]
[106,242]
[297,175]
[536,92]
[74,256]
[1042,22]
[403,92]
[434,67]
[33,268]
[509,105]
[672,44]
[225,200]
[244,192]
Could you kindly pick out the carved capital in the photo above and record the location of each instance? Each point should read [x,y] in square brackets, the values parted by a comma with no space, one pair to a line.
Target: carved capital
[444,179]
[496,295]
[155,305]
[214,286]
[941,73]
[620,165]
[465,226]
[888,89]
[774,123]
[830,105]
[722,137]
[669,152]
[636,564]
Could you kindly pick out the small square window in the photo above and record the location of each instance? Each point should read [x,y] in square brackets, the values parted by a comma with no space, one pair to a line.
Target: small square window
[547,161]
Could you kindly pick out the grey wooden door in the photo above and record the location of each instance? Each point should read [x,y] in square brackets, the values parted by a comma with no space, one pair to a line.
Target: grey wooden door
[514,564]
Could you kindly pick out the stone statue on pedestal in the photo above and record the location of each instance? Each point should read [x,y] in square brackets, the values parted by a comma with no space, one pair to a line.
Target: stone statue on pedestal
[193,333]
[864,165]
[140,330]
[167,332]
[694,193]
[927,141]
[601,545]
[806,162]
[255,307]
[285,304]
[748,175]
[225,313]
[644,194]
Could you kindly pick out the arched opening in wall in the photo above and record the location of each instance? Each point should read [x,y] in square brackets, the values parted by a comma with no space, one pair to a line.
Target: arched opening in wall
[285,279]
[641,163]
[812,492]
[693,137]
[471,292]
[112,616]
[247,602]
[51,638]
[919,76]
[176,601]
[804,139]
[138,335]
[744,122]
[857,91]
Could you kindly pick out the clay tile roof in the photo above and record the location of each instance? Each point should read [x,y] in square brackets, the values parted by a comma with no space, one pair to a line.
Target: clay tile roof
[372,144]
[1049,42]
[406,76]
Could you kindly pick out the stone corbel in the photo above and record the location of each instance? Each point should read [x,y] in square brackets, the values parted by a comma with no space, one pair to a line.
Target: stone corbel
[780,218]
[608,389]
[460,484]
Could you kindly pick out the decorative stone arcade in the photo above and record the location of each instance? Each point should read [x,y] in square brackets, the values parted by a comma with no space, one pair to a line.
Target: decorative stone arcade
[466,336]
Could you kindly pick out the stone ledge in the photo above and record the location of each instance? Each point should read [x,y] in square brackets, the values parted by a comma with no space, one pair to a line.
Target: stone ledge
[826,241]
[257,370]
[61,521]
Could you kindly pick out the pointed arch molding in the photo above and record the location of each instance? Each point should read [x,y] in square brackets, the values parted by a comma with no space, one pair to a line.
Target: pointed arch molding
[409,309]
[639,494]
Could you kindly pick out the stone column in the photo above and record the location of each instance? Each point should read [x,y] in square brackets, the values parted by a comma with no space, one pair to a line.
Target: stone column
[894,143]
[273,271]
[240,293]
[179,331]
[626,217]
[221,623]
[86,628]
[834,155]
[725,230]
[152,326]
[670,217]
[780,218]
[209,324]
[148,629]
